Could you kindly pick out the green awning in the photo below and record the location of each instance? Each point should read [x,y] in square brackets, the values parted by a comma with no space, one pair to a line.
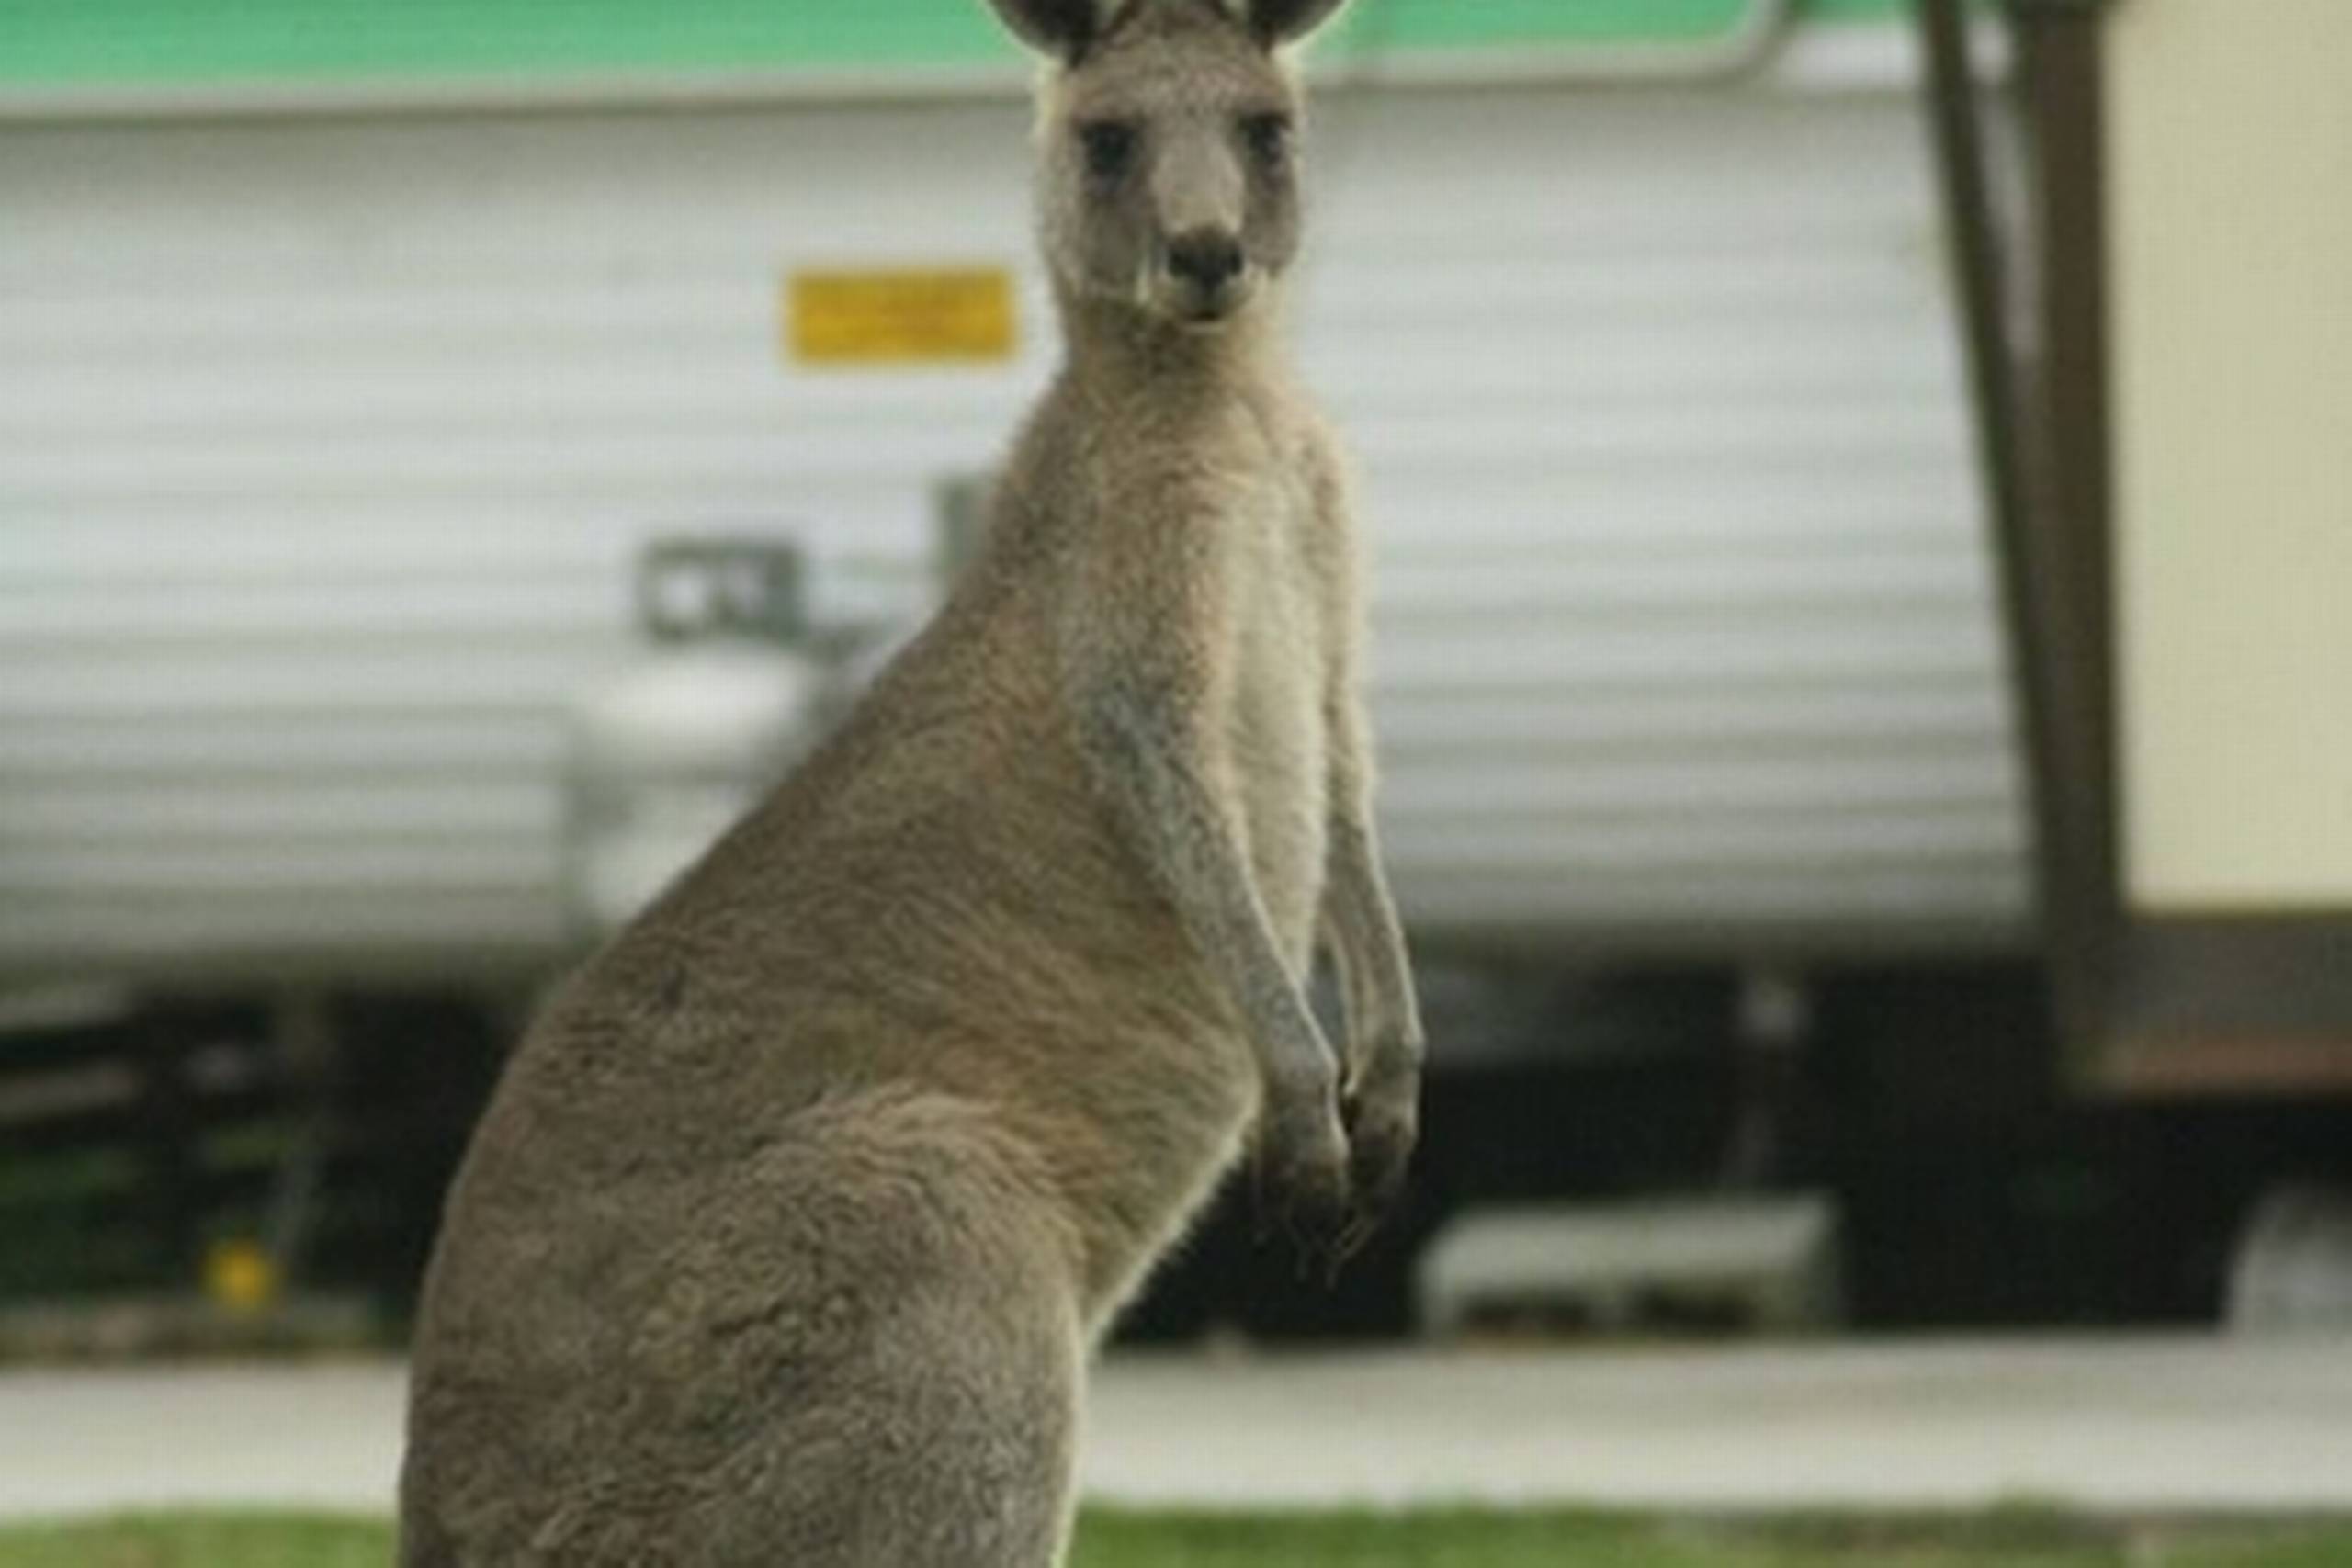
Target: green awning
[121,46]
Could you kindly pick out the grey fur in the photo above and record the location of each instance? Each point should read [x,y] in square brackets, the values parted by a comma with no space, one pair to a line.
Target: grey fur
[788,1232]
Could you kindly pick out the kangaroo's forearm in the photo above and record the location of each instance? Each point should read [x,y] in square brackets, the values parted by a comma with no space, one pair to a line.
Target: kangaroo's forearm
[1384,1018]
[1361,917]
[1138,753]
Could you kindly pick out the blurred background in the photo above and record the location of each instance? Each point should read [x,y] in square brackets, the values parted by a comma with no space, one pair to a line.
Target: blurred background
[1861,538]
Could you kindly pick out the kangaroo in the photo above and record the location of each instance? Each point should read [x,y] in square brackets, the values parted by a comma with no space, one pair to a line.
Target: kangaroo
[799,1210]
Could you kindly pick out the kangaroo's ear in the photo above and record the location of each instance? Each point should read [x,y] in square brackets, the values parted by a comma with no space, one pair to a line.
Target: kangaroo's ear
[1058,27]
[1280,21]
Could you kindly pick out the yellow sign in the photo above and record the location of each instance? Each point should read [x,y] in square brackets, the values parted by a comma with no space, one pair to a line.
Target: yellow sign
[240,1275]
[962,316]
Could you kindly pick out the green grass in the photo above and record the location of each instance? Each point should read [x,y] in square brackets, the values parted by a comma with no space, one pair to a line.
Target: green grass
[201,1540]
[2010,1538]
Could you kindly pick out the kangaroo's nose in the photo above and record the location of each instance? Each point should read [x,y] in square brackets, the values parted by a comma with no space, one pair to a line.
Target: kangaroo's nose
[1208,259]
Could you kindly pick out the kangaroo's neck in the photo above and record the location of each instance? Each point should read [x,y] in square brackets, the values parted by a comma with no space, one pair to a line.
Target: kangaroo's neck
[1116,352]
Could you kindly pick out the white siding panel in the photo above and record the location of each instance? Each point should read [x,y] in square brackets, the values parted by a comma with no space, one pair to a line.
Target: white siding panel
[325,449]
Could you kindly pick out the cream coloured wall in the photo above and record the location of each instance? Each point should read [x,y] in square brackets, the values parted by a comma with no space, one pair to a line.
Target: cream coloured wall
[2230,127]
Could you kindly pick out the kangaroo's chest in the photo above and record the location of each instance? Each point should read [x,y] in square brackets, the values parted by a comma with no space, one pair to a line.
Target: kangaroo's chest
[1277,727]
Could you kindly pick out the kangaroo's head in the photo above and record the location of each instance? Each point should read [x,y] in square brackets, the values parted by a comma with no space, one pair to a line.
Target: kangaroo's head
[1169,175]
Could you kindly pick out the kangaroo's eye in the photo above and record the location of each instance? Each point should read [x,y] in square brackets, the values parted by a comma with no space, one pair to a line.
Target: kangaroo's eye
[1267,136]
[1109,148]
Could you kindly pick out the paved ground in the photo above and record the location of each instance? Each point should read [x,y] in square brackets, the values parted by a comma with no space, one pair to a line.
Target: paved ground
[2101,1423]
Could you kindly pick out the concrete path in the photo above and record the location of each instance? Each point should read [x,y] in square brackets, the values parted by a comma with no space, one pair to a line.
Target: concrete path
[2129,1423]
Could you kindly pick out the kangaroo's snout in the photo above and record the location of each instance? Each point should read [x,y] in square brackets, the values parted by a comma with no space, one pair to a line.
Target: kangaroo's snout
[1207,262]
